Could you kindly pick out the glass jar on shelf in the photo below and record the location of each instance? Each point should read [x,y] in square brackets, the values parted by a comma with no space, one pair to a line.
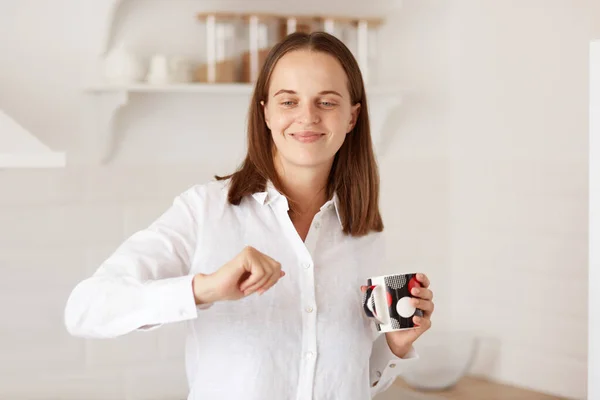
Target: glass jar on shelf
[360,36]
[222,53]
[263,32]
[368,47]
[306,23]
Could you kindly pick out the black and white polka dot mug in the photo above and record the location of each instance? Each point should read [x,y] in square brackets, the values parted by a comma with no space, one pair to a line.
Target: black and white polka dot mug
[388,301]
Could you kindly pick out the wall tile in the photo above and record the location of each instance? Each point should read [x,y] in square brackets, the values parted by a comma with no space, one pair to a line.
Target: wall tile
[59,225]
[158,381]
[41,187]
[135,348]
[75,385]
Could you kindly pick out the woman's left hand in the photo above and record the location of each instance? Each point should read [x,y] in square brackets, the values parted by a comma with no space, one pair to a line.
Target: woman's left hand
[400,342]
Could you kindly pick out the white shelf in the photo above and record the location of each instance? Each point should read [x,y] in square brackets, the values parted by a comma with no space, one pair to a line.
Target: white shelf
[214,88]
[21,149]
[230,88]
[109,100]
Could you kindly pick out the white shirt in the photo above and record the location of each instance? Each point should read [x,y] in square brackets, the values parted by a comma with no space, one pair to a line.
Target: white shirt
[305,338]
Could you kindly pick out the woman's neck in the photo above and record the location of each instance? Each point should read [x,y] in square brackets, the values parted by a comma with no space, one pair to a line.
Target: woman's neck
[306,187]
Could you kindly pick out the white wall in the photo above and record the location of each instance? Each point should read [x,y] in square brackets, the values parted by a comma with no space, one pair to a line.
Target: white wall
[484,186]
[511,79]
[594,225]
[519,189]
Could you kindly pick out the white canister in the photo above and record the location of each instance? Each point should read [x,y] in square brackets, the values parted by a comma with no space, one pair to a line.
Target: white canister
[121,66]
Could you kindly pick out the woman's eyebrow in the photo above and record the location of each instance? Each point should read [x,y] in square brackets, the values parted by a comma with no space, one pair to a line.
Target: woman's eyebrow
[330,92]
[284,91]
[287,91]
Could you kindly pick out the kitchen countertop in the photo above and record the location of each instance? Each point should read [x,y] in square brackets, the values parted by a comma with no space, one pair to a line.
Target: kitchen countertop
[470,388]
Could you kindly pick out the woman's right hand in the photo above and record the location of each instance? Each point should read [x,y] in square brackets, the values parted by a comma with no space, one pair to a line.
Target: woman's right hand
[249,272]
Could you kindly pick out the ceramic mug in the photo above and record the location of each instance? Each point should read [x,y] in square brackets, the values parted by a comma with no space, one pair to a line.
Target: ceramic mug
[388,301]
[165,70]
[159,70]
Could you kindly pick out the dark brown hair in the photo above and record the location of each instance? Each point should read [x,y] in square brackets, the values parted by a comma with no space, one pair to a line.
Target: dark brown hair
[354,174]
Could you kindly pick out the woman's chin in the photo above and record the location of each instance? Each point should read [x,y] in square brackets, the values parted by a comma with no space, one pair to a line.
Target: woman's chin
[305,160]
[313,162]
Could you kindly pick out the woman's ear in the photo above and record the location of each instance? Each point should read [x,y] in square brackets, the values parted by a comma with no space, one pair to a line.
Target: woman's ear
[354,112]
[266,113]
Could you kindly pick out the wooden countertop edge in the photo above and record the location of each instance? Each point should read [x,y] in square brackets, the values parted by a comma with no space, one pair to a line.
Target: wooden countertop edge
[474,387]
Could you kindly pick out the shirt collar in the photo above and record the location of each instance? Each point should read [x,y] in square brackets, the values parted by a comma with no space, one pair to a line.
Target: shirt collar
[271,194]
[268,196]
[334,202]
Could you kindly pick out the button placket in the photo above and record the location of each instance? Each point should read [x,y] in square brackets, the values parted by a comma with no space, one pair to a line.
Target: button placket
[309,314]
[309,328]
[305,253]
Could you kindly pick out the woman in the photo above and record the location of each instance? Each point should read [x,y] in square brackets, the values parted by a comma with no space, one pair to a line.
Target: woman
[304,201]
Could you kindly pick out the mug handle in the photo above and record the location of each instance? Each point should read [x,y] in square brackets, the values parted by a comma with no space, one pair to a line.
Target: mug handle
[381,305]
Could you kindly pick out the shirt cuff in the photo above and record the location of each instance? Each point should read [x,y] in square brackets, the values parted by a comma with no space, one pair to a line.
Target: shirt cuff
[170,300]
[388,366]
[395,365]
[411,354]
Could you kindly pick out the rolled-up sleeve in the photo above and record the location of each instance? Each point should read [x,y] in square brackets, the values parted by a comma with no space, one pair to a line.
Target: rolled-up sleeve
[385,366]
[145,283]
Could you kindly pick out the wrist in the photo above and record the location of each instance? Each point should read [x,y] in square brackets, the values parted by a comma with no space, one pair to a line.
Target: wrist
[203,289]
[400,350]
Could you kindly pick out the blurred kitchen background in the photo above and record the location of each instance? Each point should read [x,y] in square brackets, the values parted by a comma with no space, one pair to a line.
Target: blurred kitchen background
[480,116]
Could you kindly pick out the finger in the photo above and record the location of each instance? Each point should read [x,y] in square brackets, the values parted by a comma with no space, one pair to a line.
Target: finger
[270,283]
[423,279]
[276,268]
[425,305]
[422,293]
[363,289]
[256,274]
[276,274]
[422,323]
[271,261]
[264,288]
[251,289]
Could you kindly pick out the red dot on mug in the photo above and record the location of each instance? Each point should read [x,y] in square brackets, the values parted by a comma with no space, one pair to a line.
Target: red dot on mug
[389,299]
[413,283]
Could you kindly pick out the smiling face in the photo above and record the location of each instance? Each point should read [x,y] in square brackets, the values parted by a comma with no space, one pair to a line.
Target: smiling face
[308,109]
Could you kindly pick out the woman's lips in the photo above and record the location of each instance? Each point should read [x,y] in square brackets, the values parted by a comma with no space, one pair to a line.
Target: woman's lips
[307,137]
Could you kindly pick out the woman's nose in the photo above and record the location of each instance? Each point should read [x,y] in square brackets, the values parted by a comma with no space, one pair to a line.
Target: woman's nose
[309,114]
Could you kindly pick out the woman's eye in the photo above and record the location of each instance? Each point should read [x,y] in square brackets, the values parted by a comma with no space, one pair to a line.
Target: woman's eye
[327,104]
[287,103]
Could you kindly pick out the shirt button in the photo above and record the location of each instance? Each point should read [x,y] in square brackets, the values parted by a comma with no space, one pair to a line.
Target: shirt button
[392,365]
[379,374]
[317,225]
[306,265]
[310,355]
[309,309]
